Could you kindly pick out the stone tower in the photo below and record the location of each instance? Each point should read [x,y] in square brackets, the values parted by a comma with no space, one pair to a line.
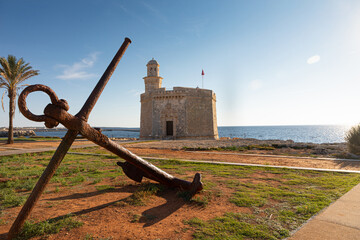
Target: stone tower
[181,113]
[152,80]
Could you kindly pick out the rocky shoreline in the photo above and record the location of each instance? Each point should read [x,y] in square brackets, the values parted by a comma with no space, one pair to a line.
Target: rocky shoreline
[17,133]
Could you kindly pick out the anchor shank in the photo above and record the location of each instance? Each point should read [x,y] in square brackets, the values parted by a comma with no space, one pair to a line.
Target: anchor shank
[95,94]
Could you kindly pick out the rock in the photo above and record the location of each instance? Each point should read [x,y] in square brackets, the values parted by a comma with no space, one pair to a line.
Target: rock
[18,133]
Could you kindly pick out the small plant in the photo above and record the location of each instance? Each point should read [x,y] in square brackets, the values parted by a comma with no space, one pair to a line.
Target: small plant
[88,236]
[352,138]
[141,217]
[96,180]
[146,191]
[9,198]
[135,218]
[3,222]
[184,195]
[201,200]
[104,188]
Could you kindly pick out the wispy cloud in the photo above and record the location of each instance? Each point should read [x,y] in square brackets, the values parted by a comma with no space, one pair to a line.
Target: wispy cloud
[256,84]
[79,70]
[197,26]
[155,12]
[135,92]
[134,15]
[313,59]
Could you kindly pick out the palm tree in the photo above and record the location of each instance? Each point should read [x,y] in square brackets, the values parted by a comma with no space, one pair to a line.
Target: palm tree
[13,73]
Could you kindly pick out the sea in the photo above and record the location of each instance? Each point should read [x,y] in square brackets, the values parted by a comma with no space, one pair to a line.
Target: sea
[297,133]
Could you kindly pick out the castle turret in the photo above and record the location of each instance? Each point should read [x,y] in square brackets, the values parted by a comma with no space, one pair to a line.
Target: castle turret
[152,80]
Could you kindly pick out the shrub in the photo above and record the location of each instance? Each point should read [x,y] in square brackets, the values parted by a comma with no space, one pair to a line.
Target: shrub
[352,138]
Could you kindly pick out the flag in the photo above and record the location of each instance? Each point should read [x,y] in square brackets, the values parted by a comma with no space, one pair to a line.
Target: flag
[202,73]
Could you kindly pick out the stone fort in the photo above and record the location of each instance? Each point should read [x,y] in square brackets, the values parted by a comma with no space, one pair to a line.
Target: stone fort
[181,113]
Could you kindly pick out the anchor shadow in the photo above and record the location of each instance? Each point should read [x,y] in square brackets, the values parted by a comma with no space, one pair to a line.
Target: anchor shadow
[125,189]
[149,217]
[157,214]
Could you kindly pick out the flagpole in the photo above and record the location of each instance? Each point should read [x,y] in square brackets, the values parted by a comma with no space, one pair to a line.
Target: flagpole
[202,78]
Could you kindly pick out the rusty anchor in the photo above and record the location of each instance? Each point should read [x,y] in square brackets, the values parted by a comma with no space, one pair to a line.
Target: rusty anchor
[135,167]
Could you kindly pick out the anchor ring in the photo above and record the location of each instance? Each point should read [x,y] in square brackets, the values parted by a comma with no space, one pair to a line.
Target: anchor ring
[49,122]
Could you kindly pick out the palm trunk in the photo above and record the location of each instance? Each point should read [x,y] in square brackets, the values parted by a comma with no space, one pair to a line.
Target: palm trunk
[11,95]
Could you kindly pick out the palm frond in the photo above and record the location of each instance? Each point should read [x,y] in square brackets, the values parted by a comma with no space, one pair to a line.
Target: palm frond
[28,74]
[13,72]
[3,83]
[2,101]
[5,69]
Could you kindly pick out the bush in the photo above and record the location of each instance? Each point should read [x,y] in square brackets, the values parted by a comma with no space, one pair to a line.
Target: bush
[352,138]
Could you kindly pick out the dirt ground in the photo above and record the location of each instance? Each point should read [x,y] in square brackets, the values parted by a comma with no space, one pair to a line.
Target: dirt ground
[251,159]
[103,214]
[106,214]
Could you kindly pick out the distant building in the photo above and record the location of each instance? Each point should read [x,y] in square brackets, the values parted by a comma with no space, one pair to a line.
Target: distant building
[181,113]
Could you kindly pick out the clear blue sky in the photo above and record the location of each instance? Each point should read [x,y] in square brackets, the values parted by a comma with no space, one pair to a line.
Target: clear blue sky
[269,62]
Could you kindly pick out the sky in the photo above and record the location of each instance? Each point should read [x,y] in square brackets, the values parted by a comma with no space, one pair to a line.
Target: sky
[270,62]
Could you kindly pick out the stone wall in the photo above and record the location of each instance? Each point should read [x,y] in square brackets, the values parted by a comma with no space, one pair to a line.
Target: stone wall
[201,115]
[146,116]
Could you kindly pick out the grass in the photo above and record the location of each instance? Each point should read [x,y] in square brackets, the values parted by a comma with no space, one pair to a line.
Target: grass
[22,172]
[298,196]
[93,150]
[32,229]
[280,199]
[237,226]
[277,200]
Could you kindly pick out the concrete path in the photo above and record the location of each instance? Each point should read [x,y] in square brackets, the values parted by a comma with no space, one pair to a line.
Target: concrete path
[278,156]
[12,151]
[341,220]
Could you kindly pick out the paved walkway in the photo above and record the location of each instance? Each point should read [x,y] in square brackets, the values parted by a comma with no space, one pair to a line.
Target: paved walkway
[341,220]
[12,151]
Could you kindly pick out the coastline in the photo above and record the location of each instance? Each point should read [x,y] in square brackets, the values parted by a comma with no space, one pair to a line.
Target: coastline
[297,133]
